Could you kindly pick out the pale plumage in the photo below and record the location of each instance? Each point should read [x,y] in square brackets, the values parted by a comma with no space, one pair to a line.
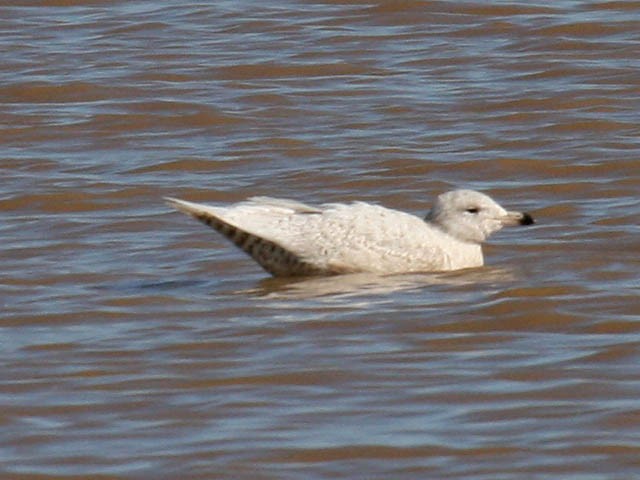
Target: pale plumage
[289,238]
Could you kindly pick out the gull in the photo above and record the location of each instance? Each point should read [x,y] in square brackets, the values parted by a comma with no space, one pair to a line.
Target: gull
[289,239]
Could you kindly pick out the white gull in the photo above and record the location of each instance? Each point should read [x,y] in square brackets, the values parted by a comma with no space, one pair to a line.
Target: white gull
[289,238]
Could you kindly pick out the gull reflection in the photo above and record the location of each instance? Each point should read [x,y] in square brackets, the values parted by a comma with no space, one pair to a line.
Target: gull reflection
[358,284]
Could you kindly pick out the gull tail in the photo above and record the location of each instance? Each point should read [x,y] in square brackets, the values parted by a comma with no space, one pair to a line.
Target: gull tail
[275,259]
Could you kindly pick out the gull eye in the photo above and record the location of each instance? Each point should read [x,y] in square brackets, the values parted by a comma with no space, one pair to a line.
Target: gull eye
[473,210]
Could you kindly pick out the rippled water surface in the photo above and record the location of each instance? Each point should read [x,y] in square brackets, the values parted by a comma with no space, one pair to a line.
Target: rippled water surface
[136,343]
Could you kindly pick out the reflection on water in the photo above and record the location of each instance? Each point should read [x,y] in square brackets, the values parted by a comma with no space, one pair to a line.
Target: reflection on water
[136,346]
[366,284]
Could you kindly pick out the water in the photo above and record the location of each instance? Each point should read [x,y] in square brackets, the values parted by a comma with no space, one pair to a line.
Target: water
[138,344]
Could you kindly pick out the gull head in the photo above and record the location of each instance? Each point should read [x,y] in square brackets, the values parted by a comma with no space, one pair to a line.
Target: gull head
[472,216]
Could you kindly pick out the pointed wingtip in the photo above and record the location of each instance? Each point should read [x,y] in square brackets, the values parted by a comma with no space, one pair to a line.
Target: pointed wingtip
[182,205]
[171,201]
[174,202]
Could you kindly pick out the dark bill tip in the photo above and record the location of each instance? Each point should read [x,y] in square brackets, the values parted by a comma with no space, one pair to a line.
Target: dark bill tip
[527,219]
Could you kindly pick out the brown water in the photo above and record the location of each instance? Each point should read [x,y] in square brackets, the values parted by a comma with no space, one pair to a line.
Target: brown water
[135,343]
